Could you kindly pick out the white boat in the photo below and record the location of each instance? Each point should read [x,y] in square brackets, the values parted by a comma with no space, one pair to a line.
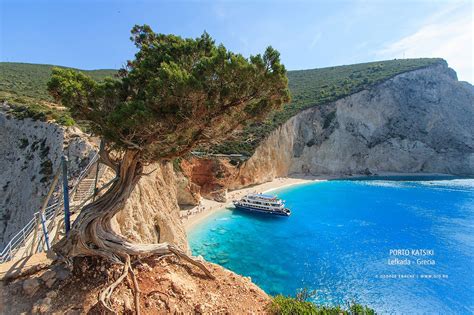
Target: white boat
[263,204]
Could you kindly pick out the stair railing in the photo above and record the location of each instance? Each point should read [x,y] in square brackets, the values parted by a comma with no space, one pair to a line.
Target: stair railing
[20,239]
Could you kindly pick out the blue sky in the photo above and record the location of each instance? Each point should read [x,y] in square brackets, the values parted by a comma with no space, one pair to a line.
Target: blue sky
[309,34]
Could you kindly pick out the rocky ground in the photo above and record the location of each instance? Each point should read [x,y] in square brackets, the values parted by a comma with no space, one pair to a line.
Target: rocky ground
[168,286]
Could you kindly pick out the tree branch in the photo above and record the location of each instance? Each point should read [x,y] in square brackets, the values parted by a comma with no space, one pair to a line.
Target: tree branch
[106,159]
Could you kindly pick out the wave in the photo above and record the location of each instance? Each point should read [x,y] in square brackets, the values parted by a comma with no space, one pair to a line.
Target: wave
[465,185]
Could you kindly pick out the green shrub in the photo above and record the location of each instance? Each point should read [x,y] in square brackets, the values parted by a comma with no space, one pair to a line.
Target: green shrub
[33,112]
[361,309]
[24,143]
[328,119]
[177,165]
[27,82]
[40,112]
[66,120]
[286,305]
[23,87]
[46,168]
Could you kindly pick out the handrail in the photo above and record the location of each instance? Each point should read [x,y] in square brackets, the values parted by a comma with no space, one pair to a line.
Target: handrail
[21,237]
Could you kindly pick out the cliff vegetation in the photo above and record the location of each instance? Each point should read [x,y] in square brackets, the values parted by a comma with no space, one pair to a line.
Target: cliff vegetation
[286,305]
[320,86]
[24,85]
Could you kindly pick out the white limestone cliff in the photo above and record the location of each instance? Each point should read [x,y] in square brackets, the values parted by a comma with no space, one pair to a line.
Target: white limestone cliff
[417,122]
[31,153]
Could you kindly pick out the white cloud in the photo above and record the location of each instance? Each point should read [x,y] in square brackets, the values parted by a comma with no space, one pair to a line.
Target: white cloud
[316,38]
[448,34]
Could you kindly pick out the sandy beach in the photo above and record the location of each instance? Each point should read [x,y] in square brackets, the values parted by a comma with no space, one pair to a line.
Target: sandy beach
[210,206]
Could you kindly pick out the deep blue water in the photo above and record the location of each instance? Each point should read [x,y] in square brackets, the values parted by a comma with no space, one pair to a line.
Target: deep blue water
[338,238]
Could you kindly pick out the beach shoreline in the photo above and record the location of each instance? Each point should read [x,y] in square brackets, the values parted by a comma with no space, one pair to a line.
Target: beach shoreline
[210,207]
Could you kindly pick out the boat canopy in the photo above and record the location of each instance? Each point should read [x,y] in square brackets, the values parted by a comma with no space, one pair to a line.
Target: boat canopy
[263,196]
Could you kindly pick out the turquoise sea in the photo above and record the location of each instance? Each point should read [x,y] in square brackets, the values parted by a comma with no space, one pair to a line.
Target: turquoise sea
[352,239]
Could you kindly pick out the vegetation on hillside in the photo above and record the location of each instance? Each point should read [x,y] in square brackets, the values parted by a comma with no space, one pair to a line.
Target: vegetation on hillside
[287,305]
[26,84]
[23,87]
[320,86]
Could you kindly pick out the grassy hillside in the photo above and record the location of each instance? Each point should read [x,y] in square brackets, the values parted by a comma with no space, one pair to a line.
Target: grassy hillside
[26,84]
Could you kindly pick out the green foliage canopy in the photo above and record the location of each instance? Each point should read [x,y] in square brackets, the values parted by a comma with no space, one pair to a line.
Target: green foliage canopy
[177,93]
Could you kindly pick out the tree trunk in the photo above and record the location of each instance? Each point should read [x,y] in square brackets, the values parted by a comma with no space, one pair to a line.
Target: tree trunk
[92,234]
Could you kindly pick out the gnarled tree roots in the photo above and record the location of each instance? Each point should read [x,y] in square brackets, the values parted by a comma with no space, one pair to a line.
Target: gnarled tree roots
[165,250]
[115,248]
[118,250]
[92,233]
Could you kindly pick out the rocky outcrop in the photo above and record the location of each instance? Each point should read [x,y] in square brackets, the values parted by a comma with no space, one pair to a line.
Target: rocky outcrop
[151,214]
[212,176]
[31,153]
[188,192]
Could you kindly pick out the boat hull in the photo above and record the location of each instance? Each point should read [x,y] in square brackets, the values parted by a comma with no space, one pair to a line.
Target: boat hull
[250,209]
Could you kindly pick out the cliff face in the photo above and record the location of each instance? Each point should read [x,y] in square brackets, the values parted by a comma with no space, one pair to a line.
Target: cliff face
[210,176]
[31,153]
[419,121]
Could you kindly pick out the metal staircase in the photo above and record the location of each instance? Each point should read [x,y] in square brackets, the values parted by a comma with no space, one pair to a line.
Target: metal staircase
[85,188]
[31,238]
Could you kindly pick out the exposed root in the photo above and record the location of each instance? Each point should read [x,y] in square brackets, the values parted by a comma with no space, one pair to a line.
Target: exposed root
[136,293]
[106,294]
[163,257]
[127,269]
[195,262]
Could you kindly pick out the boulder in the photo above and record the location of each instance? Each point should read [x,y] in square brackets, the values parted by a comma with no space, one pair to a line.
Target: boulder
[30,286]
